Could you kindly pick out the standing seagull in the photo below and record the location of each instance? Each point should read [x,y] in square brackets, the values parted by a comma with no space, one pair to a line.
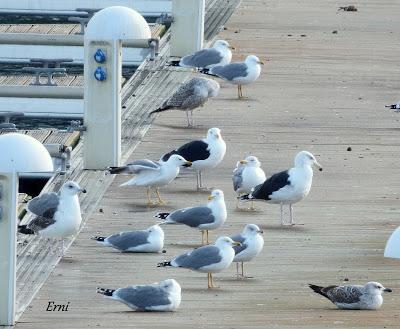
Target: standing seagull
[58,214]
[152,174]
[289,186]
[247,175]
[354,297]
[203,154]
[219,54]
[208,217]
[252,244]
[192,94]
[207,259]
[240,73]
[149,240]
[164,296]
[395,107]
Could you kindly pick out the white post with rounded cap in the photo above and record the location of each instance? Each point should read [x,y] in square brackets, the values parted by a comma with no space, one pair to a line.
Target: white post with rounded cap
[19,154]
[187,29]
[102,75]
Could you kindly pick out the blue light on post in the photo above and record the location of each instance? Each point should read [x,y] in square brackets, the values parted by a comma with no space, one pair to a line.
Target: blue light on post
[99,56]
[100,74]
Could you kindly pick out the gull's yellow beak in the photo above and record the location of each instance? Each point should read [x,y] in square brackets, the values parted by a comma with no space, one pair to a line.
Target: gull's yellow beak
[318,165]
[235,243]
[232,47]
[210,197]
[261,62]
[243,161]
[187,164]
[260,231]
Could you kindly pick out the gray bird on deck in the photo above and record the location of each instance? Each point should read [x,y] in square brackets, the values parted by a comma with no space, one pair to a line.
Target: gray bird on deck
[354,297]
[164,296]
[189,96]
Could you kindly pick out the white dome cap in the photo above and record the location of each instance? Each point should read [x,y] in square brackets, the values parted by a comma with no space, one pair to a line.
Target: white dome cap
[115,23]
[22,153]
[392,249]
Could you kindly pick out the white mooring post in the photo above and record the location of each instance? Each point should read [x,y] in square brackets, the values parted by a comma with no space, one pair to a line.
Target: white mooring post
[15,149]
[187,29]
[102,96]
[8,246]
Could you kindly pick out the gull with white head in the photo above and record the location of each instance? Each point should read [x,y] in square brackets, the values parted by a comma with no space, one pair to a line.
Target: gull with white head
[58,215]
[208,217]
[149,240]
[219,54]
[160,297]
[152,174]
[252,243]
[289,186]
[203,154]
[206,259]
[239,73]
[247,175]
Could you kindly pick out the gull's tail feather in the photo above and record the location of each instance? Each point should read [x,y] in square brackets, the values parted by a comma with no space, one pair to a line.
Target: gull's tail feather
[207,72]
[118,170]
[25,230]
[161,109]
[173,63]
[245,197]
[317,289]
[105,292]
[164,264]
[393,106]
[162,215]
[98,238]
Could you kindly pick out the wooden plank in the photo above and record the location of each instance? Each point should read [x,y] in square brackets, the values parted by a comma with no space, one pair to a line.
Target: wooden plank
[63,137]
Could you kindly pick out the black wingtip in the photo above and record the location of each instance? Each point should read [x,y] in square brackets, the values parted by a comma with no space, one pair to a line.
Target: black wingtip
[23,229]
[315,288]
[164,264]
[116,170]
[245,197]
[98,238]
[104,291]
[393,106]
[173,63]
[162,215]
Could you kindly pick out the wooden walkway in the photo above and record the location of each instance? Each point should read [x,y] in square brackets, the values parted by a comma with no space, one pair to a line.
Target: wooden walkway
[321,92]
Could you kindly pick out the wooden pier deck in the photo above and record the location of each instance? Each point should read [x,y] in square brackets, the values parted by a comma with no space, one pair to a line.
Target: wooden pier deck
[320,91]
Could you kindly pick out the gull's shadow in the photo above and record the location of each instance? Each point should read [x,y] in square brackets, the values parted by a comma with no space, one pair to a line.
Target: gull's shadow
[183,127]
[214,290]
[297,228]
[185,245]
[194,191]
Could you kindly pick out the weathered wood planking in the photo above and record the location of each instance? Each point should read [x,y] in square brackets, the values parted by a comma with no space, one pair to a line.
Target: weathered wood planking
[151,82]
[318,92]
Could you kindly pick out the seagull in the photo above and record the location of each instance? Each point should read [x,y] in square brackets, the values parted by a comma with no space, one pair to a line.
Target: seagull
[149,240]
[189,96]
[287,187]
[354,297]
[219,54]
[207,259]
[164,296]
[247,175]
[207,217]
[239,73]
[252,244]
[203,154]
[58,215]
[395,107]
[152,174]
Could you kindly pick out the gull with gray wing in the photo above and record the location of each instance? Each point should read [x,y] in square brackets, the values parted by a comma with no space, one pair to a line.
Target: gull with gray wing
[164,296]
[206,259]
[205,218]
[239,73]
[252,244]
[152,174]
[58,215]
[149,240]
